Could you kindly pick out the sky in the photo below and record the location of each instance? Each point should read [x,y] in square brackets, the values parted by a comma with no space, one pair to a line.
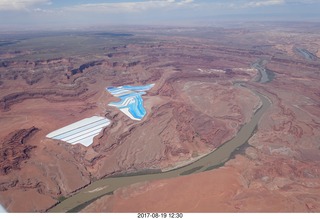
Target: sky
[64,14]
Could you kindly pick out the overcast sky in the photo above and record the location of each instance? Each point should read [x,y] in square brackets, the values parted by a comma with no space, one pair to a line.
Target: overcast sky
[56,14]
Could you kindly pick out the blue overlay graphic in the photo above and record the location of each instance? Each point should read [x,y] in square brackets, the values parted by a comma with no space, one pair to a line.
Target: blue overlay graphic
[131,102]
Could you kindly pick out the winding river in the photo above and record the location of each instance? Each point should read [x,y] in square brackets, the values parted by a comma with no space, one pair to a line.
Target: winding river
[216,158]
[306,54]
[266,75]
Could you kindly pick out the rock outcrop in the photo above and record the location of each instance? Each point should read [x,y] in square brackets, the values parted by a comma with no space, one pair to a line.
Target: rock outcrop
[198,103]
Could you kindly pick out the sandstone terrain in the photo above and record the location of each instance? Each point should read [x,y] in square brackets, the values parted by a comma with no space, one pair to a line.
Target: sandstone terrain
[197,104]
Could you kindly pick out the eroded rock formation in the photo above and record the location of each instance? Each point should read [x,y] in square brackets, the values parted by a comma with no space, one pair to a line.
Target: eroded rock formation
[197,104]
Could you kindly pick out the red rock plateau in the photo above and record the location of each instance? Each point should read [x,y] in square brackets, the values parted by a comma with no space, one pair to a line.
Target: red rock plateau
[48,82]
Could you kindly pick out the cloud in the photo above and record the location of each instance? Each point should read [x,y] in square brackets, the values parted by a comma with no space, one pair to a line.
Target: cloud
[264,3]
[237,5]
[130,6]
[16,5]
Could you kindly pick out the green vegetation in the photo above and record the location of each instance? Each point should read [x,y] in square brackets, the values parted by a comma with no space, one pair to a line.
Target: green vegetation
[85,204]
[61,198]
[191,171]
[216,166]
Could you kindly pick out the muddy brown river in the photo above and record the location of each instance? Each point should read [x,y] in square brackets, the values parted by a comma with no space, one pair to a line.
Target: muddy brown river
[216,158]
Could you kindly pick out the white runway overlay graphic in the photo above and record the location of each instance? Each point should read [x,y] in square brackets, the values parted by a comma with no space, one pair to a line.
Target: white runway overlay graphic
[81,132]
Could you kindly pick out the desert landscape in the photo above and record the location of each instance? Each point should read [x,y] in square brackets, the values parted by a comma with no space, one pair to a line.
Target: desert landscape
[231,122]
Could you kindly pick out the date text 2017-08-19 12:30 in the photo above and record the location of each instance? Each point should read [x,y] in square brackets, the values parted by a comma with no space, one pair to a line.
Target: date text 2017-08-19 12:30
[160,215]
